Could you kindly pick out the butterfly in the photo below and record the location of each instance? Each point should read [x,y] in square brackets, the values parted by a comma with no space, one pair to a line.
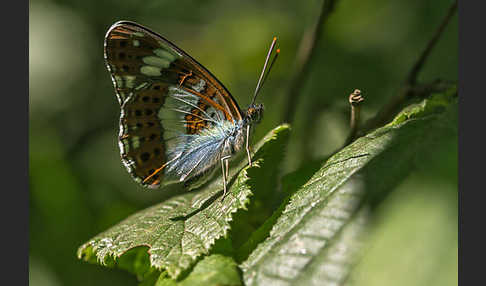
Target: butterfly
[177,121]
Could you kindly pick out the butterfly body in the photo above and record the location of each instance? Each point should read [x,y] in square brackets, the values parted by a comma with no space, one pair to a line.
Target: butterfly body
[177,120]
[202,151]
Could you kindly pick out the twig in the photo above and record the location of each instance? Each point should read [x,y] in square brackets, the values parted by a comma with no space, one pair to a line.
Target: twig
[407,90]
[424,90]
[413,74]
[355,100]
[305,53]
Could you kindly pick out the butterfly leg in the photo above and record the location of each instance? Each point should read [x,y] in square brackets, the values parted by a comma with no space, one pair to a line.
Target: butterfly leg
[227,168]
[248,144]
[224,161]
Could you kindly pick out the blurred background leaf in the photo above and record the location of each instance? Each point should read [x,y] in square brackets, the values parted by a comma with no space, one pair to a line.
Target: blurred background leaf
[78,186]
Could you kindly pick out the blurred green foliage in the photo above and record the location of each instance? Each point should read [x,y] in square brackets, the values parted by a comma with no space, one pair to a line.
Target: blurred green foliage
[78,186]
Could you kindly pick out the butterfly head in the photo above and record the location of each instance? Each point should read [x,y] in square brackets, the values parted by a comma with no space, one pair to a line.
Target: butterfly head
[254,113]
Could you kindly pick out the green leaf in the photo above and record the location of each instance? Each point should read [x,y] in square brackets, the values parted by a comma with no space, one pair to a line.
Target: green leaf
[413,240]
[328,213]
[214,270]
[176,232]
[290,183]
[334,261]
[266,195]
[435,103]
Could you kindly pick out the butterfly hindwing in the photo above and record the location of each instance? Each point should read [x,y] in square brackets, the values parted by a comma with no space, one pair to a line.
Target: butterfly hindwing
[164,95]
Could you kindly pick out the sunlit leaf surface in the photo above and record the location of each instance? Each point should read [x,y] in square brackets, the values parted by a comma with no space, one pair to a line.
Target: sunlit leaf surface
[182,228]
[315,238]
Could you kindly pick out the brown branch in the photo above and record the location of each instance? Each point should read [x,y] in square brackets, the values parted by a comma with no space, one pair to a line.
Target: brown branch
[417,67]
[305,53]
[408,89]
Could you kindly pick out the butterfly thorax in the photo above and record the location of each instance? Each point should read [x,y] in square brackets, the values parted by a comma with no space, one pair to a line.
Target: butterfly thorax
[208,146]
[236,136]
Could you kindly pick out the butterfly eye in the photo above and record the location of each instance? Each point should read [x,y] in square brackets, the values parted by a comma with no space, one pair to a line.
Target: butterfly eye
[255,113]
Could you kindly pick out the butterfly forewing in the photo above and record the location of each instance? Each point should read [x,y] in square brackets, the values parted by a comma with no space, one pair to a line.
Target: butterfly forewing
[165,96]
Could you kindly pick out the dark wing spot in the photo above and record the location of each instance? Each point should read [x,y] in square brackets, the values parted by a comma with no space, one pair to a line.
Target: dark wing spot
[145,156]
[123,44]
[145,99]
[138,112]
[125,68]
[148,111]
[121,55]
[157,151]
[157,87]
[152,136]
[156,100]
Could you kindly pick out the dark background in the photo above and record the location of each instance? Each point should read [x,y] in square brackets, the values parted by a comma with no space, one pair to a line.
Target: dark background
[78,186]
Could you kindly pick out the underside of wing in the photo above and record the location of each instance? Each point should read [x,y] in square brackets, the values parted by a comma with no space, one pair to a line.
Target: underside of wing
[168,102]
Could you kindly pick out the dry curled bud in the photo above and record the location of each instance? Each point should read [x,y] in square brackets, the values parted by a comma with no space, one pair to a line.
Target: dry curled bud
[355,98]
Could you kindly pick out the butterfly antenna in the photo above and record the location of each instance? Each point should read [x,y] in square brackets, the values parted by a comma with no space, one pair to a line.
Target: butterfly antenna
[277,51]
[260,80]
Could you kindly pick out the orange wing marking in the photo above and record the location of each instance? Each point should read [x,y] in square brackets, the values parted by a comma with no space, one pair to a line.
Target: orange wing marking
[184,76]
[211,102]
[160,169]
[193,121]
